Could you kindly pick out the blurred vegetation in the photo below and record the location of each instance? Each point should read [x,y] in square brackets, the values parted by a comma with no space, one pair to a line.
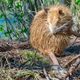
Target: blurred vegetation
[28,66]
[15,20]
[16,15]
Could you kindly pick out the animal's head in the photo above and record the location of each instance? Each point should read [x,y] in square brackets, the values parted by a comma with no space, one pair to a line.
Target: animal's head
[58,16]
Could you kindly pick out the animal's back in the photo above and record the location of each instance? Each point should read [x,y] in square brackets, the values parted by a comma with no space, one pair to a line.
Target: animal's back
[41,38]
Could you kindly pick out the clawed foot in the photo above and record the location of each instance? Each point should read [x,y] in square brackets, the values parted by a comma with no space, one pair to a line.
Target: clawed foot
[58,72]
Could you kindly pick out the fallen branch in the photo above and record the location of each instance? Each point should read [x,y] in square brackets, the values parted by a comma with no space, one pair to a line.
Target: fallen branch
[10,45]
[69,62]
[73,68]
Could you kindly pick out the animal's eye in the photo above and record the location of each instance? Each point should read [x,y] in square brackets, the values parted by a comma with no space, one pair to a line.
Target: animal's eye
[61,13]
[46,9]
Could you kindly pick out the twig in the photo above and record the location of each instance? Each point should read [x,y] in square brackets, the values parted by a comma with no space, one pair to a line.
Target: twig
[69,62]
[46,75]
[76,33]
[8,46]
[73,68]
[73,42]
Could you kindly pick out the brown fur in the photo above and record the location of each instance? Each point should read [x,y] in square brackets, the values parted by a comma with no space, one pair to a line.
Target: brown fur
[40,36]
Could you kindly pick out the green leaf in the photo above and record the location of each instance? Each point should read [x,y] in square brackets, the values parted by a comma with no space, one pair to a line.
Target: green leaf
[1,15]
[78,2]
[22,14]
[1,28]
[8,32]
[23,30]
[18,5]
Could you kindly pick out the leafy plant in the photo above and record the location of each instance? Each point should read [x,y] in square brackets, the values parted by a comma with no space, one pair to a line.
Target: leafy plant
[18,15]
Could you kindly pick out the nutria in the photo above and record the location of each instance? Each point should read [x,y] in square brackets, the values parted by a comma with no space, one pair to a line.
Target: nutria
[42,36]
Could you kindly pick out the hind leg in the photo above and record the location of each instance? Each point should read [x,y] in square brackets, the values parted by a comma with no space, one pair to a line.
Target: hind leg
[53,58]
[56,69]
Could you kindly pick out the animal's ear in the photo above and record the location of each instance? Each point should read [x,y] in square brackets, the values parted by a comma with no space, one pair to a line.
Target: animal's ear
[61,13]
[46,9]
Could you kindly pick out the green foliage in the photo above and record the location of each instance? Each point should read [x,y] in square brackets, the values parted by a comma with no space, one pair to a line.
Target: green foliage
[1,28]
[78,2]
[18,14]
[33,58]
[16,74]
[1,15]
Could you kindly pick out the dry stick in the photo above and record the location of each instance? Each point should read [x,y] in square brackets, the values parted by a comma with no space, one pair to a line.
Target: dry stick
[76,33]
[7,61]
[73,68]
[45,73]
[74,41]
[8,46]
[72,60]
